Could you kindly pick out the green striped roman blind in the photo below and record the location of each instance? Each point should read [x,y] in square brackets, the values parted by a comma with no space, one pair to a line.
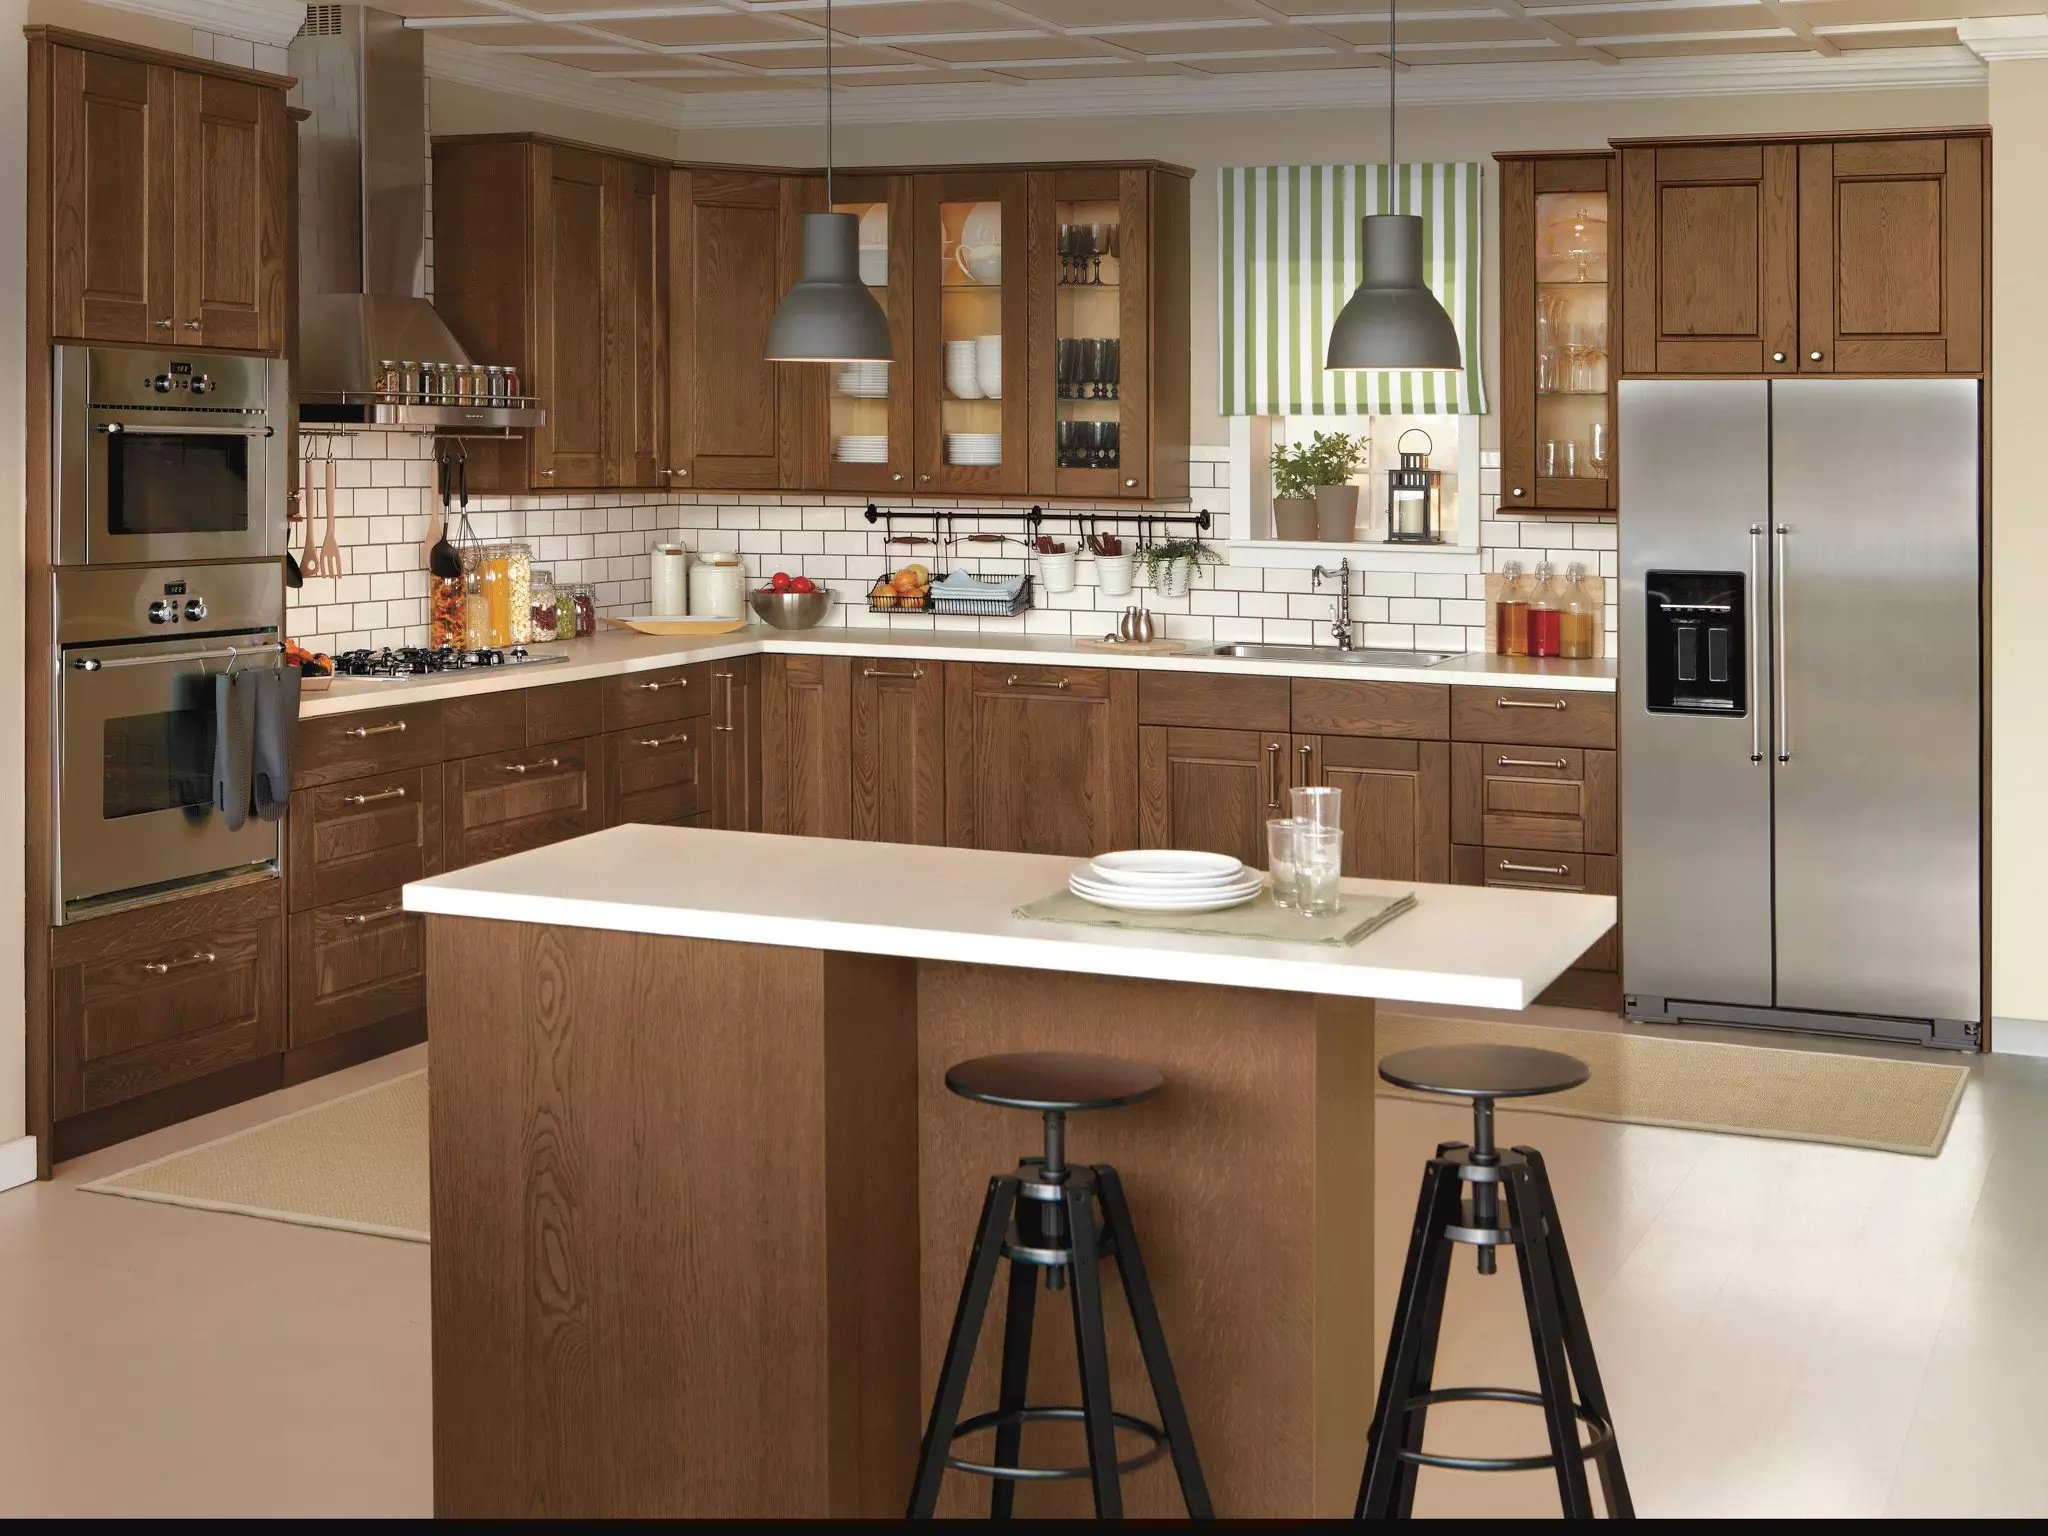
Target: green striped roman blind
[1288,236]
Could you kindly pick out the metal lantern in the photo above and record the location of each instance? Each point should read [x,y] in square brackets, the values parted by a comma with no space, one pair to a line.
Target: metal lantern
[1415,495]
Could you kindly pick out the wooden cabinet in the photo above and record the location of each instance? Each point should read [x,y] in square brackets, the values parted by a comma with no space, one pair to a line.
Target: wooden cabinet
[866,402]
[1396,806]
[648,698]
[1818,256]
[652,773]
[357,965]
[736,420]
[898,745]
[554,257]
[1041,759]
[364,835]
[731,758]
[1557,328]
[806,764]
[169,200]
[970,271]
[507,802]
[1211,789]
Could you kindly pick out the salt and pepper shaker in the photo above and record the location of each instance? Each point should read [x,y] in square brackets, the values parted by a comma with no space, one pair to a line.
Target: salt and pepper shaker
[1136,625]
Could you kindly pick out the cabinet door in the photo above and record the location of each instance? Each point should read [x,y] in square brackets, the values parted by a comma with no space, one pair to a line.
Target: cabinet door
[568,299]
[732,788]
[899,746]
[856,407]
[1041,759]
[113,236]
[1710,256]
[806,767]
[355,964]
[735,419]
[651,774]
[1212,790]
[507,802]
[636,323]
[232,236]
[970,379]
[364,835]
[1397,802]
[1891,256]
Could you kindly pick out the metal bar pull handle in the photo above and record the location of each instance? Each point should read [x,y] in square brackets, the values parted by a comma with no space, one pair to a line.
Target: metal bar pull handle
[373,799]
[656,687]
[362,732]
[1778,642]
[727,676]
[545,762]
[1273,775]
[1508,866]
[1532,762]
[1529,703]
[662,741]
[1308,777]
[361,919]
[225,653]
[915,674]
[165,967]
[1756,588]
[1058,685]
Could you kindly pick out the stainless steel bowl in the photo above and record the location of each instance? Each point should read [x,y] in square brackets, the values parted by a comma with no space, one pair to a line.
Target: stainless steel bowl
[792,610]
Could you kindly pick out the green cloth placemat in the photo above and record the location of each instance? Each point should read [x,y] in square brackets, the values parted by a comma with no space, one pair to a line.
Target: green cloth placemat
[1256,919]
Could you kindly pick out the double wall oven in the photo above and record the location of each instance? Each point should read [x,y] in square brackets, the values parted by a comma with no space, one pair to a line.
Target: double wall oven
[167,539]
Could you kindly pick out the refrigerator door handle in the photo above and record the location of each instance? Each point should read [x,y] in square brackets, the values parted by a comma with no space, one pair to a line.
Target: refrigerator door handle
[1778,642]
[1756,587]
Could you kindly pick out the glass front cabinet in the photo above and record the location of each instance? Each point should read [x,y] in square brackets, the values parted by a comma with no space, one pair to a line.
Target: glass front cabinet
[1040,319]
[1559,312]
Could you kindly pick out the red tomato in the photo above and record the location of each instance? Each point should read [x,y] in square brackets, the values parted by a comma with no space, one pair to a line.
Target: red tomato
[803,584]
[780,581]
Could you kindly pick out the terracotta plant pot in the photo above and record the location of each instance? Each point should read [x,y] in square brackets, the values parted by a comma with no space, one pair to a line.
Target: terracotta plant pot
[1337,514]
[1294,517]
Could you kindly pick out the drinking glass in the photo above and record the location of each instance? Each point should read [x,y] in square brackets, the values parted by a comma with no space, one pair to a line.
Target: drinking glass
[1548,456]
[1317,805]
[1101,241]
[1597,451]
[1280,860]
[1318,867]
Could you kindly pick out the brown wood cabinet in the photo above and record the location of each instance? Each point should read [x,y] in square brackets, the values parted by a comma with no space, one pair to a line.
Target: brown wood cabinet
[840,404]
[1397,799]
[1211,789]
[363,835]
[731,761]
[1041,759]
[806,762]
[169,196]
[652,773]
[963,295]
[507,802]
[357,965]
[1843,254]
[898,745]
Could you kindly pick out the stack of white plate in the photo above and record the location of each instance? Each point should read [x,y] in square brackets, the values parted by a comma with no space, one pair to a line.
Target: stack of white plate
[865,448]
[864,381]
[963,370]
[988,365]
[1165,880]
[974,447]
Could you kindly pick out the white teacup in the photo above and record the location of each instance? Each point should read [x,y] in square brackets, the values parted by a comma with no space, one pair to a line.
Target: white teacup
[980,263]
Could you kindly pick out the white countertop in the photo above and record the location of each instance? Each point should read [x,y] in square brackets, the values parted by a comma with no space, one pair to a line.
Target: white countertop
[1468,945]
[617,651]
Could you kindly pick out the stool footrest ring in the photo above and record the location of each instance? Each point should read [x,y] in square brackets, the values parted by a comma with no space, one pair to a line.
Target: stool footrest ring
[1020,1416]
[1603,1433]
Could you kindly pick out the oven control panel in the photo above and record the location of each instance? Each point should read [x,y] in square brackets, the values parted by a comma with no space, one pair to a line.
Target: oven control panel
[193,383]
[174,605]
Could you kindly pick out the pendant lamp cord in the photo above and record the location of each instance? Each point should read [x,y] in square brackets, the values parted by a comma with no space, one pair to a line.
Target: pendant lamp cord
[828,106]
[1393,90]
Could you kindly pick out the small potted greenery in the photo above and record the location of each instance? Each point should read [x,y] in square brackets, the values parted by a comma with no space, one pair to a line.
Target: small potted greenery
[1172,565]
[1318,471]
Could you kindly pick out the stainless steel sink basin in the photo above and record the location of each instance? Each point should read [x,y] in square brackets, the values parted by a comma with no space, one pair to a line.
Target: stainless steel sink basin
[1323,655]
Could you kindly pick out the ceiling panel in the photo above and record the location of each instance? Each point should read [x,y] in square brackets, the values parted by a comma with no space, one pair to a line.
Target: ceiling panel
[699,31]
[1842,13]
[1929,37]
[1693,19]
[437,10]
[1373,34]
[926,17]
[1111,68]
[1691,49]
[1041,47]
[1294,65]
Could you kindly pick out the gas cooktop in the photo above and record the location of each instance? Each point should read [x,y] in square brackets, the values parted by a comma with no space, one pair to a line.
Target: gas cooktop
[389,666]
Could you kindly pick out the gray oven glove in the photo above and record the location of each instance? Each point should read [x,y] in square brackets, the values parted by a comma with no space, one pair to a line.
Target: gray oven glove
[234,724]
[277,724]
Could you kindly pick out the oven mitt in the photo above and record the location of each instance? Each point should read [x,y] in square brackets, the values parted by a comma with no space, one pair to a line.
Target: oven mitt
[277,724]
[234,722]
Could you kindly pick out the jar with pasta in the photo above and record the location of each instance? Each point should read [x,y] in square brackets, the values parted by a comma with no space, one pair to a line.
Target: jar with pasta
[542,607]
[447,620]
[498,593]
[519,592]
[476,604]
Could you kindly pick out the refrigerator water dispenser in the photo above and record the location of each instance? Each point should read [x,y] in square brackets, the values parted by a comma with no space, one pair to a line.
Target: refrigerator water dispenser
[1696,662]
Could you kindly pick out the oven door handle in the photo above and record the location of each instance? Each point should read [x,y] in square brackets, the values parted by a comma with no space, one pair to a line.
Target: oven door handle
[227,653]
[180,429]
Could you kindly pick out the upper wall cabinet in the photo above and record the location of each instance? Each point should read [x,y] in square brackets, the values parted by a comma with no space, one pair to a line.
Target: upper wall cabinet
[1849,255]
[1557,323]
[168,191]
[860,414]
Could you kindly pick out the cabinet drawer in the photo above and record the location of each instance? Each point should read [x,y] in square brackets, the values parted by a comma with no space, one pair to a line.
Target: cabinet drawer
[160,996]
[354,964]
[362,835]
[1531,796]
[1068,682]
[1336,707]
[642,698]
[1205,701]
[507,802]
[1540,716]
[1540,869]
[334,747]
[651,774]
[563,712]
[484,722]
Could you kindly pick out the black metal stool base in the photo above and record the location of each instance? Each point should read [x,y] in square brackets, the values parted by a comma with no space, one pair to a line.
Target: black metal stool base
[1042,1218]
[1516,1180]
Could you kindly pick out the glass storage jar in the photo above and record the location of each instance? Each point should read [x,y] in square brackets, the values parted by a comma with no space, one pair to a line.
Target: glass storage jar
[519,592]
[498,594]
[541,609]
[585,597]
[476,603]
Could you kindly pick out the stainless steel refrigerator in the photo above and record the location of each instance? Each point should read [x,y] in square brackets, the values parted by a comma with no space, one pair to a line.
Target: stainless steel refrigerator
[1801,721]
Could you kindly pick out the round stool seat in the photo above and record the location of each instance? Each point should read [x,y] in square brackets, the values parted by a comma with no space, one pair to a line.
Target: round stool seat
[1484,1071]
[1054,1080]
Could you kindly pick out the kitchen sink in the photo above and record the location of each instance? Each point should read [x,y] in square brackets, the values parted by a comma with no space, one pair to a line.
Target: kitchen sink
[1323,655]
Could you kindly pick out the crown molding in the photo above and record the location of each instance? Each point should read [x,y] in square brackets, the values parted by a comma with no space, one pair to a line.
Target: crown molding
[2005,37]
[273,22]
[1442,85]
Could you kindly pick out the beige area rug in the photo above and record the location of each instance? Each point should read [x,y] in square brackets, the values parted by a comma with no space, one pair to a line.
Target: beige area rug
[1702,1085]
[357,1163]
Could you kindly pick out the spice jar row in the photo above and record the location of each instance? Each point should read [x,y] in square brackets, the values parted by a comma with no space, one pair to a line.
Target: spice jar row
[499,599]
[1547,614]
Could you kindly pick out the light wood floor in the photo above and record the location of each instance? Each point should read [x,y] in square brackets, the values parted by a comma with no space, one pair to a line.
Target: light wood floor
[1785,1328]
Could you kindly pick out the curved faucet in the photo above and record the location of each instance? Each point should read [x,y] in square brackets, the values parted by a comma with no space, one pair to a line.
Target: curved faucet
[1340,627]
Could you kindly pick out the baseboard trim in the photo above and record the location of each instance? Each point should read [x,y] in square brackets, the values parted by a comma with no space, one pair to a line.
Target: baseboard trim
[2019,1037]
[17,1162]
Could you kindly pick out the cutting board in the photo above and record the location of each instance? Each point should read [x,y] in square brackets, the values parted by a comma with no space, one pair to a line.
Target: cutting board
[652,626]
[1133,647]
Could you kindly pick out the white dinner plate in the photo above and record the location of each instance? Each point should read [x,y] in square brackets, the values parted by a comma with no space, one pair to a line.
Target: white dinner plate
[1080,882]
[1155,865]
[1129,901]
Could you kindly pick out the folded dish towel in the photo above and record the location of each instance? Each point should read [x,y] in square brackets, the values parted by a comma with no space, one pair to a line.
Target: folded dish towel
[277,724]
[234,726]
[960,584]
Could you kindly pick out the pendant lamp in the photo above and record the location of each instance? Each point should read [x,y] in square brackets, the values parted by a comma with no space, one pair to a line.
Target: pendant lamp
[829,316]
[1393,320]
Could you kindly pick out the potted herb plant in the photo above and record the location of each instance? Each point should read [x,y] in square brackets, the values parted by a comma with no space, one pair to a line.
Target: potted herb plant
[1320,468]
[1294,491]
[1172,565]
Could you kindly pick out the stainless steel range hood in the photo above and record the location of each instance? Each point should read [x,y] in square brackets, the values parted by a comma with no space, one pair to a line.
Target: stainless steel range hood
[363,232]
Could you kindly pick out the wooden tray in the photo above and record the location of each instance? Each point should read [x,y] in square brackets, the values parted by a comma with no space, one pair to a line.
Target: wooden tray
[676,626]
[1132,647]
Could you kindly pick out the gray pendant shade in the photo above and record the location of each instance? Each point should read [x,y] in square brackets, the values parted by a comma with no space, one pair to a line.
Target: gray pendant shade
[829,316]
[1393,320]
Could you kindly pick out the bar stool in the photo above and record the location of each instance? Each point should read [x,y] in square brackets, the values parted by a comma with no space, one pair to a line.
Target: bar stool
[1557,1321]
[1042,1218]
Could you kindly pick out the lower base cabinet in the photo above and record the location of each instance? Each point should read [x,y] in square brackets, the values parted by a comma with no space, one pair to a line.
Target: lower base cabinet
[356,965]
[1397,802]
[508,802]
[729,756]
[806,783]
[652,774]
[898,747]
[1211,790]
[1041,759]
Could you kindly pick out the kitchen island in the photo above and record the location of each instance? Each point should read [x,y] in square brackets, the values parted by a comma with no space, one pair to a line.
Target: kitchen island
[702,1203]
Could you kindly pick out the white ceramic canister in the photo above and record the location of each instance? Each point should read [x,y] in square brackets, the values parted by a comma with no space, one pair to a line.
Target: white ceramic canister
[668,580]
[718,585]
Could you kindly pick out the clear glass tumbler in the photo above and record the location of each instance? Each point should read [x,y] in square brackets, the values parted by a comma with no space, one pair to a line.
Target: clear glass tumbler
[1318,806]
[1280,860]
[1318,866]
